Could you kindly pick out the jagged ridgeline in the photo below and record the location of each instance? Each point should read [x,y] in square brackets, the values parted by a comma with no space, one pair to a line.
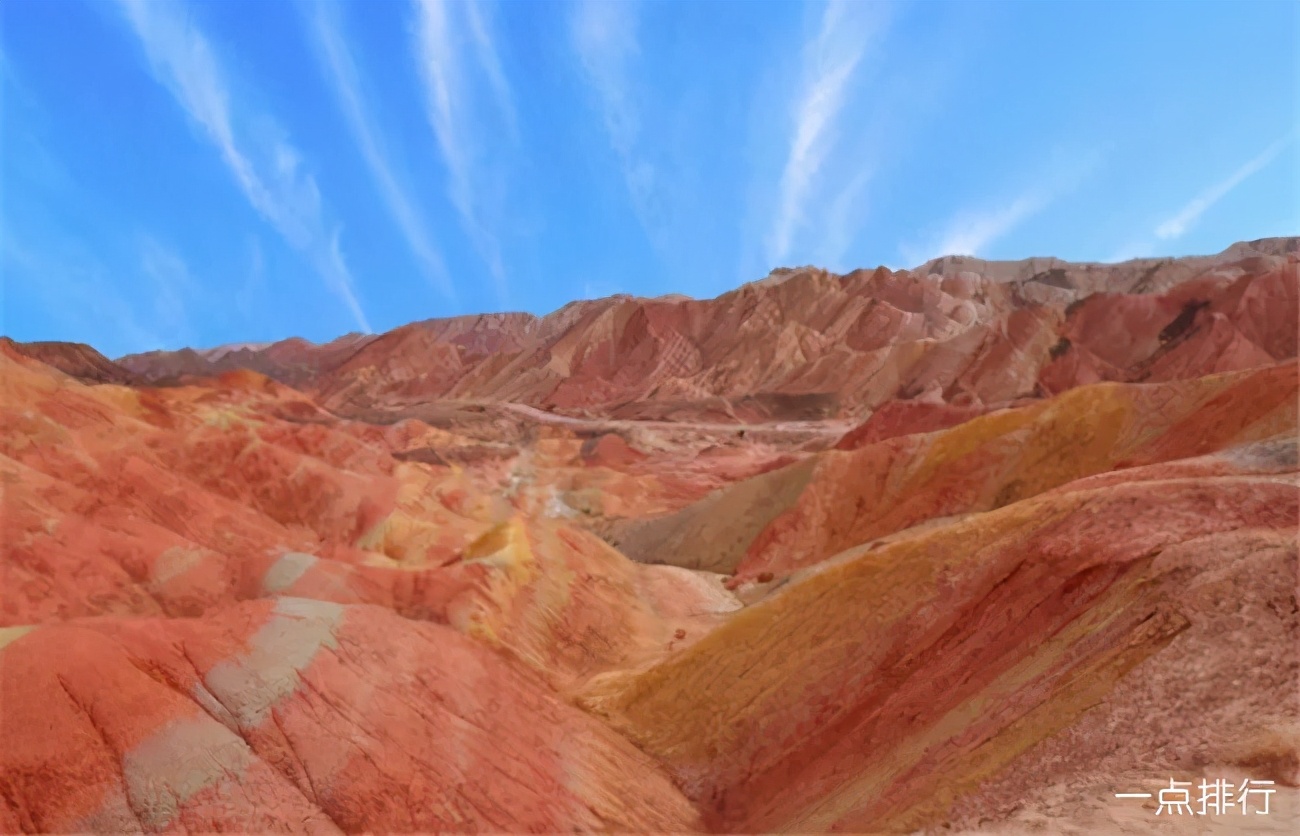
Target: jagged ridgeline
[974,545]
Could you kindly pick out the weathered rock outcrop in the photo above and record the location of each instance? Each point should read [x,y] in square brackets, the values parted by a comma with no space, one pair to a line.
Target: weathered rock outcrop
[813,344]
[875,688]
[975,546]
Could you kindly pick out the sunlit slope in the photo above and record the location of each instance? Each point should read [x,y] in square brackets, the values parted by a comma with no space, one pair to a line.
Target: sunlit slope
[124,502]
[225,609]
[872,690]
[843,498]
[294,715]
[808,343]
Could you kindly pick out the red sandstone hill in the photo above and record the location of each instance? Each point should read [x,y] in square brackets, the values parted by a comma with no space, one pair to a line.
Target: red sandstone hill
[807,344]
[74,359]
[966,549]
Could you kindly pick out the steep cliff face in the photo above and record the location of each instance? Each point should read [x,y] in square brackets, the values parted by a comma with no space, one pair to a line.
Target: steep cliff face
[972,547]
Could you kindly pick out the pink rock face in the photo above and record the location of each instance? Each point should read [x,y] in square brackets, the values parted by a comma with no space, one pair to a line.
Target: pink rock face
[905,418]
[1200,327]
[866,695]
[808,344]
[74,359]
[611,451]
[301,714]
[972,546]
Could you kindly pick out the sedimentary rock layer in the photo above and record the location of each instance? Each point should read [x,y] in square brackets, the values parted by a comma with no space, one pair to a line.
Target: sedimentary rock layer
[807,344]
[972,546]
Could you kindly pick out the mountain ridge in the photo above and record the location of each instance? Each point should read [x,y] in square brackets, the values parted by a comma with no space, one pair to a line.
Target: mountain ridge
[851,343]
[871,553]
[1260,246]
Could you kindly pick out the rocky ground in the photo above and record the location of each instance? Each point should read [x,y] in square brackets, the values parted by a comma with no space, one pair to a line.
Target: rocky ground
[963,549]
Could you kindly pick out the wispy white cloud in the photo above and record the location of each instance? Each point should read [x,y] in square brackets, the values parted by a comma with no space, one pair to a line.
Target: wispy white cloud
[78,293]
[830,59]
[254,283]
[266,166]
[972,232]
[604,35]
[843,217]
[485,47]
[451,113]
[172,285]
[1189,214]
[1131,250]
[324,22]
[1178,224]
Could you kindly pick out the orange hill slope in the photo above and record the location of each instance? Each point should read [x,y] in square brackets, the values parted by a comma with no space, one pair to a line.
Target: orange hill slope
[200,587]
[780,521]
[174,501]
[215,584]
[303,715]
[876,688]
[809,344]
[223,606]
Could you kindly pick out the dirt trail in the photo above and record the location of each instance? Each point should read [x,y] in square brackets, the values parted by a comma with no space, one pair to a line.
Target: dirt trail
[835,427]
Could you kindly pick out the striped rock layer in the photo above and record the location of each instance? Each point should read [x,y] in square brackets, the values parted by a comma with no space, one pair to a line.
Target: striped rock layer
[315,595]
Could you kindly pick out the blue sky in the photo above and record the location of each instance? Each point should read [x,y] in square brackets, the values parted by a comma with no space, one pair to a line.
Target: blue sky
[197,173]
